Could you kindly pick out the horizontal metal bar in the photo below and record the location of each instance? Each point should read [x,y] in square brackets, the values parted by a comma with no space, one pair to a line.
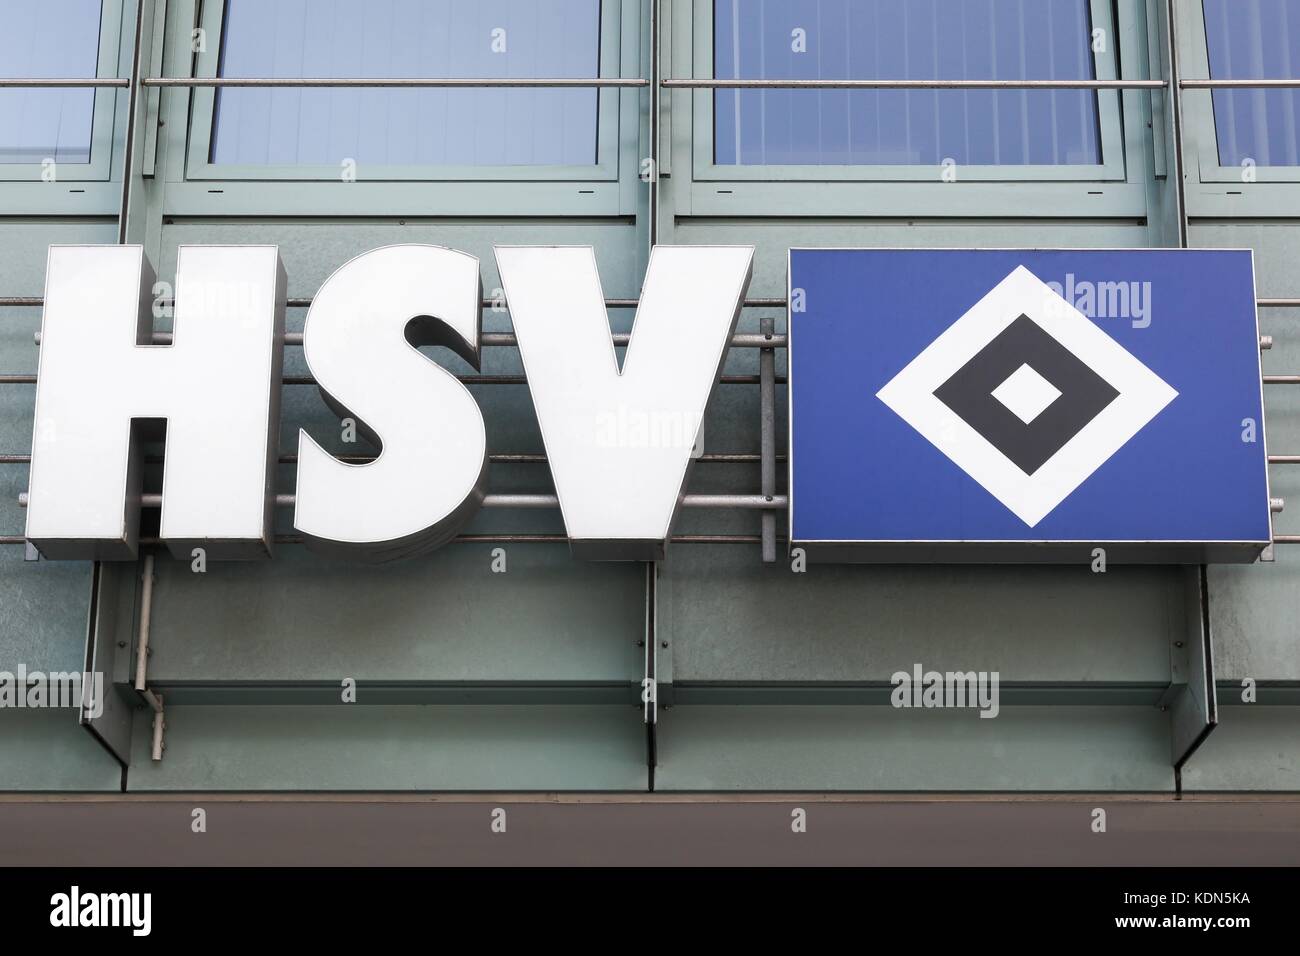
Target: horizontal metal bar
[36,301]
[716,458]
[23,379]
[743,340]
[38,83]
[485,539]
[743,502]
[8,379]
[737,84]
[461,82]
[398,82]
[1290,83]
[557,539]
[518,458]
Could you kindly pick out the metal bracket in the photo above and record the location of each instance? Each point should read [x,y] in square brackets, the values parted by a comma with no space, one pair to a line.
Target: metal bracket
[767,420]
[159,723]
[650,703]
[1190,699]
[107,717]
[649,681]
[652,195]
[154,700]
[157,28]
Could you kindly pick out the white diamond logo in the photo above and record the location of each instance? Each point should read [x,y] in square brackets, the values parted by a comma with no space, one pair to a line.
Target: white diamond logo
[1026,393]
[1033,397]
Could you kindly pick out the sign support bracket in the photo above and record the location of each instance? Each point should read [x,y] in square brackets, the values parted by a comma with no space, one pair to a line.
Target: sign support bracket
[649,695]
[767,413]
[108,716]
[1191,700]
[142,652]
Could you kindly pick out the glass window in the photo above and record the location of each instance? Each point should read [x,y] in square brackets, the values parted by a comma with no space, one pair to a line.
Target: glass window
[48,38]
[904,39]
[408,38]
[1255,39]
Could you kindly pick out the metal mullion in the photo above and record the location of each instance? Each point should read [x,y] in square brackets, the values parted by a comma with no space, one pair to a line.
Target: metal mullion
[98,582]
[652,198]
[1193,705]
[1176,85]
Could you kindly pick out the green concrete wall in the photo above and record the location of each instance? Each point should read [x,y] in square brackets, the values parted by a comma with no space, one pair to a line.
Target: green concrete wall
[530,680]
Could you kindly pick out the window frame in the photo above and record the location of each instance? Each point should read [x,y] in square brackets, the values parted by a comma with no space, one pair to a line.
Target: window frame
[1198,112]
[1110,138]
[105,117]
[1116,187]
[600,188]
[1214,190]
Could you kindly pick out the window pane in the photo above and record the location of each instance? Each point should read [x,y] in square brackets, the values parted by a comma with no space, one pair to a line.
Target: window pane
[47,38]
[1254,39]
[408,38]
[904,40]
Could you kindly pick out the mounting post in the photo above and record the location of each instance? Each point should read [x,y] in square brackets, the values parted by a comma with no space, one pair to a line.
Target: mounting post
[154,700]
[767,425]
[1190,700]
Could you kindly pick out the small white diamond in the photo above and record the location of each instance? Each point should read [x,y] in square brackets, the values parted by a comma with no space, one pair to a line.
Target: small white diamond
[1026,393]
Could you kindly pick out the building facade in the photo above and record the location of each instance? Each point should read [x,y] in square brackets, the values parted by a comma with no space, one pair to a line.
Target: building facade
[503,663]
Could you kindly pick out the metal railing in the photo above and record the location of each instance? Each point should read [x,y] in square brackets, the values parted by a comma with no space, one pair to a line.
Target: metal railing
[38,83]
[396,82]
[294,82]
[1255,84]
[527,501]
[935,84]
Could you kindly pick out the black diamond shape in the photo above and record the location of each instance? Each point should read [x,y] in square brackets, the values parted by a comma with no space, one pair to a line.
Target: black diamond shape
[969,393]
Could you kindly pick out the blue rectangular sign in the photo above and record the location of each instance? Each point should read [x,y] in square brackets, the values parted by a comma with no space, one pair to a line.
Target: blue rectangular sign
[1026,405]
